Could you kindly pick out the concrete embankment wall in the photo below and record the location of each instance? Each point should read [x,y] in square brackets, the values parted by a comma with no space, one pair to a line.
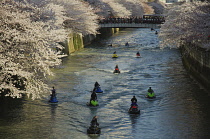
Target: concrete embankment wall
[73,43]
[77,41]
[196,60]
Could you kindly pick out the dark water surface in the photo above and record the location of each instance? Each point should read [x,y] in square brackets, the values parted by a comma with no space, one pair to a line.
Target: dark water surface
[181,110]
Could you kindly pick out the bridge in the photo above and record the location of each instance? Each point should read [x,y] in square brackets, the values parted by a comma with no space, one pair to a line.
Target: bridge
[130,25]
[146,21]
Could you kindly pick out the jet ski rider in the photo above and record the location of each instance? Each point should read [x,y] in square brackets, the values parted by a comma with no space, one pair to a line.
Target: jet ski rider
[138,54]
[116,68]
[96,84]
[150,92]
[94,121]
[133,101]
[53,92]
[93,96]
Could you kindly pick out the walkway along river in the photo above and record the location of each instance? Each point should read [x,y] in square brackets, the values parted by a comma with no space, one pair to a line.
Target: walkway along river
[179,112]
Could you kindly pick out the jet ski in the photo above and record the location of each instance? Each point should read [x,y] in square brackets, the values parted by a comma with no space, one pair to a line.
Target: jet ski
[53,99]
[114,56]
[93,103]
[98,90]
[138,55]
[94,130]
[134,110]
[116,71]
[150,97]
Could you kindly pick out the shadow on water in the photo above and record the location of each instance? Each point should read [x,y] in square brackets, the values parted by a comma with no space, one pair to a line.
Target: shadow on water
[8,108]
[94,110]
[134,119]
[53,110]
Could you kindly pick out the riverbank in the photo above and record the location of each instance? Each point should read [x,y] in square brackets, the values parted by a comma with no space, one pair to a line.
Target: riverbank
[77,41]
[196,61]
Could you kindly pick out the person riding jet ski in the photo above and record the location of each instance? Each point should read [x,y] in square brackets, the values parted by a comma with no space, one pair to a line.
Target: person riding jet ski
[126,44]
[96,84]
[94,127]
[114,55]
[94,121]
[53,98]
[93,96]
[134,99]
[150,93]
[53,92]
[137,54]
[133,103]
[116,69]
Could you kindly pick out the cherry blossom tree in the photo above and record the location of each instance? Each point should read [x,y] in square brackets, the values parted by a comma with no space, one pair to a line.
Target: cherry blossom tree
[80,17]
[24,49]
[137,7]
[28,31]
[188,22]
[117,8]
[121,8]
[75,15]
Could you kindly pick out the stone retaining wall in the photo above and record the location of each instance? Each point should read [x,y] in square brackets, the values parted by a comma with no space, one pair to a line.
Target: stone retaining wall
[196,60]
[76,41]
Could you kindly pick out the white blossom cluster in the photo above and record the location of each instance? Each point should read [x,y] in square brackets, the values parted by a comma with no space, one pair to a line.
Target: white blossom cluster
[158,6]
[188,22]
[121,8]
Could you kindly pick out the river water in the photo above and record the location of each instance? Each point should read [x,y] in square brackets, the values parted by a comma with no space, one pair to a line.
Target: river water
[180,110]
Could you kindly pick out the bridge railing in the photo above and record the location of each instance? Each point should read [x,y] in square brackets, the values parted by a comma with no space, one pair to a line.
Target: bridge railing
[146,21]
[113,20]
[130,25]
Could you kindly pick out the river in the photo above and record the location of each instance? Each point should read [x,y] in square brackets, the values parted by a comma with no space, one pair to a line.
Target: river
[180,110]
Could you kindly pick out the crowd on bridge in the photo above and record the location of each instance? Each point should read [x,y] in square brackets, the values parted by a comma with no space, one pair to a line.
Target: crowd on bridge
[136,20]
